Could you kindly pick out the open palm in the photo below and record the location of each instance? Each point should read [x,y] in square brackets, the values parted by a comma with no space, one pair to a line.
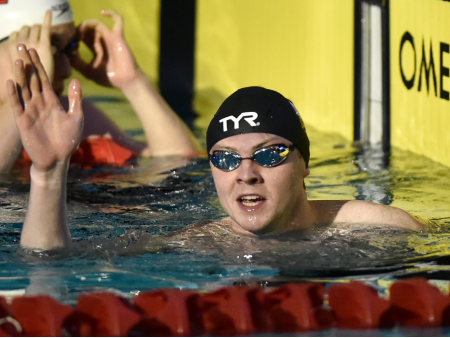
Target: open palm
[49,134]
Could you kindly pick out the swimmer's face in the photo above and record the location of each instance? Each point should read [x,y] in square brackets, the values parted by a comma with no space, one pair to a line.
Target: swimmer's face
[62,39]
[261,199]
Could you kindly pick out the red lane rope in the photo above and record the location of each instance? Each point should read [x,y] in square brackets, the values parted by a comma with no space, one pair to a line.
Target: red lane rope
[230,311]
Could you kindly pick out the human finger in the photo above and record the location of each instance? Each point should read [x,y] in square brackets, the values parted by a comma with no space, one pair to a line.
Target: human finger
[35,32]
[46,25]
[21,80]
[99,50]
[117,18]
[14,100]
[24,33]
[14,36]
[95,25]
[41,74]
[30,71]
[75,99]
[91,33]
[13,41]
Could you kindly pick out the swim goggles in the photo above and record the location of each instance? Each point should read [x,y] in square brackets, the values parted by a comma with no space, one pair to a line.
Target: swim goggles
[71,48]
[266,157]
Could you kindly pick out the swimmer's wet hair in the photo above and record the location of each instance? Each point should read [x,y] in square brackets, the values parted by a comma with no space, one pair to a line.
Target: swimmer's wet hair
[258,110]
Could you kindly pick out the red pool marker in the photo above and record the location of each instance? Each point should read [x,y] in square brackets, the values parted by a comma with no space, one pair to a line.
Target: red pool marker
[418,303]
[40,315]
[290,308]
[164,312]
[225,312]
[101,151]
[358,306]
[102,314]
[92,152]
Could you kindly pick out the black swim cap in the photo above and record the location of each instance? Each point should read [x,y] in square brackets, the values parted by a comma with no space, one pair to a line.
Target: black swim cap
[258,110]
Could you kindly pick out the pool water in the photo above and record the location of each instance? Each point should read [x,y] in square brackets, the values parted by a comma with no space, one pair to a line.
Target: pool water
[132,228]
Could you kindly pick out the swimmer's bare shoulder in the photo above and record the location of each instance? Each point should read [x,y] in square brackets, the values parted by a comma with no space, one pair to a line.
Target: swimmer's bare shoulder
[363,212]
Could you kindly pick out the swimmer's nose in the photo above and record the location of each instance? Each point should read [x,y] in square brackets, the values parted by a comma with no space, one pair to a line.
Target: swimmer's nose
[249,172]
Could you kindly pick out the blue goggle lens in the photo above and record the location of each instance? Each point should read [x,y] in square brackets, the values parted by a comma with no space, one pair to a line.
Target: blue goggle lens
[269,157]
[225,160]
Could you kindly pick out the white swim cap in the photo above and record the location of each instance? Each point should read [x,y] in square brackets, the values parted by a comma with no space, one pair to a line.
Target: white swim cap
[17,13]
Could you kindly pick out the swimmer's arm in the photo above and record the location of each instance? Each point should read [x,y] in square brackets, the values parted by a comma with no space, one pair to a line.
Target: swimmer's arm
[10,145]
[37,37]
[371,213]
[45,226]
[50,135]
[165,132]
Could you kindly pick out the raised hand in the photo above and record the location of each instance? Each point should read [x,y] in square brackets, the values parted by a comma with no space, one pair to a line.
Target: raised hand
[49,134]
[113,64]
[37,37]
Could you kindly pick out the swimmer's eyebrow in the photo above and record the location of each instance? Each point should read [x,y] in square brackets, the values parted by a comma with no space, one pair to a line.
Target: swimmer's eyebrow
[227,148]
[264,143]
[259,145]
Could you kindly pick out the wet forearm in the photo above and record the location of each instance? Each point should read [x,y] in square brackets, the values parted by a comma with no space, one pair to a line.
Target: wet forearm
[166,133]
[10,144]
[45,225]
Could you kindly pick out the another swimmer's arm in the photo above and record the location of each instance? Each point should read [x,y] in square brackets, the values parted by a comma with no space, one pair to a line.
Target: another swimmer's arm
[371,213]
[10,146]
[166,133]
[114,65]
[37,37]
[50,135]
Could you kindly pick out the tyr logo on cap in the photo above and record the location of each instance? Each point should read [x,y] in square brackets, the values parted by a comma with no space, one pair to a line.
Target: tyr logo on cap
[250,117]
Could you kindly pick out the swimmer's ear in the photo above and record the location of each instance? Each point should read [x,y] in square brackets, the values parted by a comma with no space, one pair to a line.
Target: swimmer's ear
[307,172]
[306,169]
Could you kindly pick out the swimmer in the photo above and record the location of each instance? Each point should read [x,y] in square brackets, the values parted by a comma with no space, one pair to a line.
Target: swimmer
[48,27]
[259,156]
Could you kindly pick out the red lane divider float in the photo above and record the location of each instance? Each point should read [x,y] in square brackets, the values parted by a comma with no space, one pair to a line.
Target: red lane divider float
[291,308]
[358,306]
[418,303]
[164,312]
[235,311]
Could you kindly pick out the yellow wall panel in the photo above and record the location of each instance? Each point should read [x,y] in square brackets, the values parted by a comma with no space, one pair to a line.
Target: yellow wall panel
[301,48]
[420,118]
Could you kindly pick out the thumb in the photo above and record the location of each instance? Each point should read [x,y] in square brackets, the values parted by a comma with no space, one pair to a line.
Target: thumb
[75,99]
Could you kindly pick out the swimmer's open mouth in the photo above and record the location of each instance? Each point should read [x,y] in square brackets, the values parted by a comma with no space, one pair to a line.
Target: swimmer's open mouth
[251,200]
